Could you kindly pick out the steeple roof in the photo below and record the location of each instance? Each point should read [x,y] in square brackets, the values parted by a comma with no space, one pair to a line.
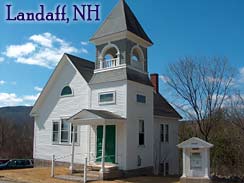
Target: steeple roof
[121,19]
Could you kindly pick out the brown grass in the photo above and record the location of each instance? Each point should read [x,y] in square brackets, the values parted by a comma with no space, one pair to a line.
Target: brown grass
[42,175]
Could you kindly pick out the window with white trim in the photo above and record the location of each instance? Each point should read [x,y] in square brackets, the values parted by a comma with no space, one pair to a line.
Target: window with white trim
[66,91]
[62,132]
[55,137]
[164,133]
[141,132]
[106,98]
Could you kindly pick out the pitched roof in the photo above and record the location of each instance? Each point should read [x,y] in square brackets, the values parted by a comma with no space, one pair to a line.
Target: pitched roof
[121,19]
[104,114]
[85,67]
[163,108]
[119,75]
[195,142]
[91,116]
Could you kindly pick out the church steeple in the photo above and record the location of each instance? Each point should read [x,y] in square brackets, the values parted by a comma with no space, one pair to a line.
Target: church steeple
[121,41]
[121,19]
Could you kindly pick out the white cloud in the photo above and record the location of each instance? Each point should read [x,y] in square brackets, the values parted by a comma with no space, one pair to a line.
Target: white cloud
[84,43]
[9,99]
[1,59]
[2,82]
[15,51]
[242,75]
[37,88]
[45,50]
[165,79]
[43,39]
[83,50]
[31,97]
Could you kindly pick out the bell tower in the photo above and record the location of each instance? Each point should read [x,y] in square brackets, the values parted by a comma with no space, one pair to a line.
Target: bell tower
[121,42]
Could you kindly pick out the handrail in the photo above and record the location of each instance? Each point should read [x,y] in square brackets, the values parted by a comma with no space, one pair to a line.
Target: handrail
[85,163]
[94,159]
[65,156]
[90,160]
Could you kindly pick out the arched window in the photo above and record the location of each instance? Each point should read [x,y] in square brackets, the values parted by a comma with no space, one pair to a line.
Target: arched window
[136,54]
[66,91]
[137,58]
[110,53]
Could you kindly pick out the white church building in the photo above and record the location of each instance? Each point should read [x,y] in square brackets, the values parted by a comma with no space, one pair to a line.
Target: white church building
[110,110]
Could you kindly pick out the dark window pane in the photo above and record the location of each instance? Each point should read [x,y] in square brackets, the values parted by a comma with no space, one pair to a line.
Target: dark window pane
[55,136]
[75,128]
[65,127]
[66,91]
[166,168]
[109,97]
[162,133]
[162,168]
[141,126]
[141,132]
[166,133]
[64,136]
[141,139]
[141,98]
[55,126]
[55,132]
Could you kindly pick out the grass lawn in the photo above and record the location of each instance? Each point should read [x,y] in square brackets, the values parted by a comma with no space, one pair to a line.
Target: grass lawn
[41,175]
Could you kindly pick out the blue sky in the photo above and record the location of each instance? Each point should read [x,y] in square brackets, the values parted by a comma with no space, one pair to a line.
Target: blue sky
[178,28]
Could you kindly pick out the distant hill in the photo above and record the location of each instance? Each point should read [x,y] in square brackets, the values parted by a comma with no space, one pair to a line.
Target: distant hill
[18,114]
[16,132]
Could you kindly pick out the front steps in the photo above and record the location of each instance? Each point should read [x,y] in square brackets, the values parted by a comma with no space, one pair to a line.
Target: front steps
[93,173]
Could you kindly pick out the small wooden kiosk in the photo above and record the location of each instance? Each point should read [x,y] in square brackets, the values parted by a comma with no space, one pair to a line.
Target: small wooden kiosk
[196,161]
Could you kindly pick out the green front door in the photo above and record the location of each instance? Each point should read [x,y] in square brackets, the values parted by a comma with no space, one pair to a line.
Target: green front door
[109,145]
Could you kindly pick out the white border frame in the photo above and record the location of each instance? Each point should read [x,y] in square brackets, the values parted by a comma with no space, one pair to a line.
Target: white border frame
[110,102]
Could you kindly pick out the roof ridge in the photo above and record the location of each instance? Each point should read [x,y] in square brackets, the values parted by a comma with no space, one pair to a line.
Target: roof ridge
[68,54]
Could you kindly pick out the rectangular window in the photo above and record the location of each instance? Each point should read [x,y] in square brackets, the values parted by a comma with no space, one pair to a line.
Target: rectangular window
[162,132]
[166,168]
[141,132]
[55,137]
[196,160]
[65,127]
[74,129]
[166,133]
[162,168]
[107,98]
[141,98]
[62,132]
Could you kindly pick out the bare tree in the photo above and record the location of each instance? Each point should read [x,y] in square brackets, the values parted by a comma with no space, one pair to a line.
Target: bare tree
[235,111]
[200,86]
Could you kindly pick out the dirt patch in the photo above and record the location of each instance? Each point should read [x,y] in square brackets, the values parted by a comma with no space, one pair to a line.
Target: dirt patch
[42,175]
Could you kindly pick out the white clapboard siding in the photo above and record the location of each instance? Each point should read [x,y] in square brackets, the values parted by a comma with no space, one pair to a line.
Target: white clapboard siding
[55,107]
[169,151]
[135,112]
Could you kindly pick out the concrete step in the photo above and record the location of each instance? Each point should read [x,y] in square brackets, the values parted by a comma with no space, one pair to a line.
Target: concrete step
[108,167]
[90,174]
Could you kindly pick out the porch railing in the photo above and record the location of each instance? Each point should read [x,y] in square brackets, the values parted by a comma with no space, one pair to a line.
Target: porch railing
[114,62]
[86,162]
